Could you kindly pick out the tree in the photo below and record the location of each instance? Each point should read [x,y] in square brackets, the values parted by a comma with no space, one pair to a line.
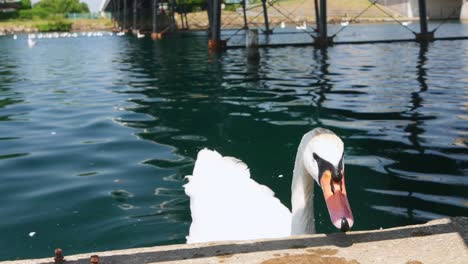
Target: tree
[25,4]
[63,6]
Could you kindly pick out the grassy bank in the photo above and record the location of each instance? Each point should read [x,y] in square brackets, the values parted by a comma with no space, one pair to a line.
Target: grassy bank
[26,26]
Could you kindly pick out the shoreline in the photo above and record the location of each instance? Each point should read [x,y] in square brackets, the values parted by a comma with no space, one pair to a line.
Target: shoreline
[31,26]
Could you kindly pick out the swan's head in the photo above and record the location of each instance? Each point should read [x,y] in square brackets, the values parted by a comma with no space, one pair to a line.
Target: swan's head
[324,160]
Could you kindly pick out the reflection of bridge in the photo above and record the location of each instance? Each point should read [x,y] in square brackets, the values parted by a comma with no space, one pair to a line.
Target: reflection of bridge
[158,16]
[436,9]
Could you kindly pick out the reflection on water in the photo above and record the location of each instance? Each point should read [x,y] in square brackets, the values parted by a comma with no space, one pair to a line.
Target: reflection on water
[98,134]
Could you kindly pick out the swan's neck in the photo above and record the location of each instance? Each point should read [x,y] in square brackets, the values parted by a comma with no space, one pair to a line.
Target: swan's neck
[302,190]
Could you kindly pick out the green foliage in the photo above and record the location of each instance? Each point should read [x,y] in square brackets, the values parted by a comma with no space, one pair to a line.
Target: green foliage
[191,2]
[232,7]
[35,13]
[8,15]
[57,25]
[26,4]
[63,6]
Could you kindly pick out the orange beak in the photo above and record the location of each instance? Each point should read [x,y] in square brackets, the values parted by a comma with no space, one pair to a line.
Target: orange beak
[337,201]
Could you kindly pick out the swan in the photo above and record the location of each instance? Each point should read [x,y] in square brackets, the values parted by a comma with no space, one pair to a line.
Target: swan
[226,204]
[283,25]
[344,23]
[139,35]
[406,23]
[31,42]
[121,33]
[303,27]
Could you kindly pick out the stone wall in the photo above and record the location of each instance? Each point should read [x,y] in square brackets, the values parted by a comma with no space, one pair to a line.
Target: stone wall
[436,9]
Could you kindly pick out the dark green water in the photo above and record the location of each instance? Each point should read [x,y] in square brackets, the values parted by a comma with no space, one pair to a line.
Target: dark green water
[97,134]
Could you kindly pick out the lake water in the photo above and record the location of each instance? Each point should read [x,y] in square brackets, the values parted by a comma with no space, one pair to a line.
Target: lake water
[97,134]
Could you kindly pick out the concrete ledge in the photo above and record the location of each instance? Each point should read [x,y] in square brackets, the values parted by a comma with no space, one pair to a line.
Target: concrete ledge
[438,241]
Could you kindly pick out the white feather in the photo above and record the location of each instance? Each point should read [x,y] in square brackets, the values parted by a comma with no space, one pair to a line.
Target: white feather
[226,204]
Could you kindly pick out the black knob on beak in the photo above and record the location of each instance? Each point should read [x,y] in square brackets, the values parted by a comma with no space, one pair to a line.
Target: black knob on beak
[344,225]
[336,175]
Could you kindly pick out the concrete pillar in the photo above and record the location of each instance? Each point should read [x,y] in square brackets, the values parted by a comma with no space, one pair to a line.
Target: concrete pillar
[265,16]
[464,10]
[423,35]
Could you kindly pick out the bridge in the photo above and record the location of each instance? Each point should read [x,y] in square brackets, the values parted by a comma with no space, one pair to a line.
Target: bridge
[9,5]
[158,16]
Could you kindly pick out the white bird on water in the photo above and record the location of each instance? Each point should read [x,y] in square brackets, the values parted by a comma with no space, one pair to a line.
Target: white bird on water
[406,23]
[226,204]
[344,23]
[282,25]
[139,35]
[31,42]
[303,27]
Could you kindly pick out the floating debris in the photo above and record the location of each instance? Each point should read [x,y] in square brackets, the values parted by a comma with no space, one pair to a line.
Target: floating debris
[121,195]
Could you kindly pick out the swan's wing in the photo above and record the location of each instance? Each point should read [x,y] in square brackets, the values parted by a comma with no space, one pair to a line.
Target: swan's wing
[227,205]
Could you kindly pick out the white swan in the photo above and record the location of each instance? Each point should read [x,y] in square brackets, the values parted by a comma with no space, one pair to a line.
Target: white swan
[31,42]
[282,25]
[303,27]
[139,35]
[344,23]
[226,204]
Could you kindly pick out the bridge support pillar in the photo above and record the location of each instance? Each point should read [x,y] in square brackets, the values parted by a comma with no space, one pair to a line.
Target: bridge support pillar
[317,15]
[125,15]
[154,34]
[424,35]
[215,43]
[265,16]
[246,26]
[134,26]
[323,40]
[117,14]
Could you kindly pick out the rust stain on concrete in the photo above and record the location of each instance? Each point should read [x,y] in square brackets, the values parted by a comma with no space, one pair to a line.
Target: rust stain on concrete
[316,256]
